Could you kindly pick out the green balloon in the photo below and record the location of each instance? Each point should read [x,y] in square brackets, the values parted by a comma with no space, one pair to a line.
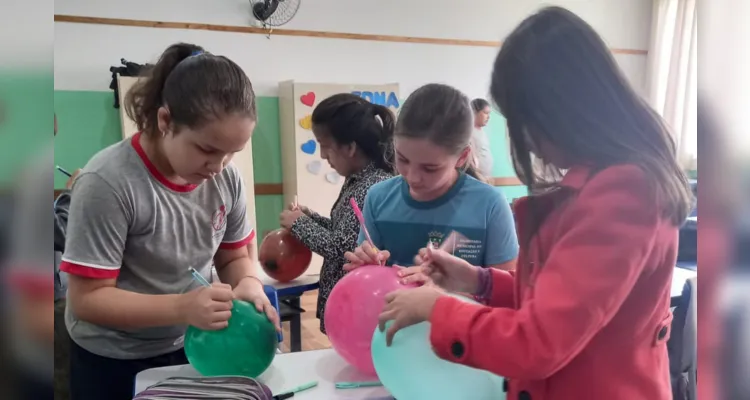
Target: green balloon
[245,348]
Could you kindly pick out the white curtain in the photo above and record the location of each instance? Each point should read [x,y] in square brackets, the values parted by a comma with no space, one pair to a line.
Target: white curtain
[672,73]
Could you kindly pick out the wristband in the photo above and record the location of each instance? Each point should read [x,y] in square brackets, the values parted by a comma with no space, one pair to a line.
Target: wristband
[484,285]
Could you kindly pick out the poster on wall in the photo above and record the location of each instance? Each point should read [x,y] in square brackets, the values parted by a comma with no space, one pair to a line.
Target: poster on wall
[306,176]
[124,83]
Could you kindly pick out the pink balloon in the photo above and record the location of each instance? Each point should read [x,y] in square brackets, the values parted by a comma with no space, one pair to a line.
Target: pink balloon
[352,312]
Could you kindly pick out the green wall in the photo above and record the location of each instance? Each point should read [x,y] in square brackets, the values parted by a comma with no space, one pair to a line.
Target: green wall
[26,122]
[88,122]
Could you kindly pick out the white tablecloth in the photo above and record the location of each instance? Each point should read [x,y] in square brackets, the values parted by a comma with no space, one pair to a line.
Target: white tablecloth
[288,371]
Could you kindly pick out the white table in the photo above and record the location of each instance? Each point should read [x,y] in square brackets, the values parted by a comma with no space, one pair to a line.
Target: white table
[679,277]
[304,283]
[298,286]
[288,371]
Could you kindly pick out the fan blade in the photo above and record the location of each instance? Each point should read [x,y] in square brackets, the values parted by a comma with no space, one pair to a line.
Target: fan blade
[263,11]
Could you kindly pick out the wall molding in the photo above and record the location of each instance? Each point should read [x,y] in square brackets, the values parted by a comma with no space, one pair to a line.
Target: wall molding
[295,32]
[266,189]
[505,181]
[277,188]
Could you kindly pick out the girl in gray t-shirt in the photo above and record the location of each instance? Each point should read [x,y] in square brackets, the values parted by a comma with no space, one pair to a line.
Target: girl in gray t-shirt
[145,210]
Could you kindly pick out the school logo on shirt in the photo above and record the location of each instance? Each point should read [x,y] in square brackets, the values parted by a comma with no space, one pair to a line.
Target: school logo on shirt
[219,219]
[436,238]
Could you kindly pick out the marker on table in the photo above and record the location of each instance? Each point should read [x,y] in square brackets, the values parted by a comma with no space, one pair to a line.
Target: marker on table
[355,385]
[61,169]
[289,394]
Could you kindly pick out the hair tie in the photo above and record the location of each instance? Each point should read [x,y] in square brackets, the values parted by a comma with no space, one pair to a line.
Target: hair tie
[196,53]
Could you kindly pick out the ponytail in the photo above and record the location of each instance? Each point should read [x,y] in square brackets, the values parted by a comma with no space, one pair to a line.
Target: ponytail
[144,99]
[195,91]
[387,158]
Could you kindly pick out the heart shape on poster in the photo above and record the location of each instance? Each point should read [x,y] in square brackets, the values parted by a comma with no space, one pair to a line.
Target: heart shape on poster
[308,99]
[333,177]
[306,123]
[308,147]
[313,167]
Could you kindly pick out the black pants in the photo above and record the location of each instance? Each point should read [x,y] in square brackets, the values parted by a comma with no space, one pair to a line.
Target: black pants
[33,388]
[94,377]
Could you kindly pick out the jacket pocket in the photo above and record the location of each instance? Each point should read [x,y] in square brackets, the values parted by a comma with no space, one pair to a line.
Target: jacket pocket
[663,331]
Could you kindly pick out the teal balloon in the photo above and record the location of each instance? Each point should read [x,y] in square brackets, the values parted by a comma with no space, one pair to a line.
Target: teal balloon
[411,370]
[245,348]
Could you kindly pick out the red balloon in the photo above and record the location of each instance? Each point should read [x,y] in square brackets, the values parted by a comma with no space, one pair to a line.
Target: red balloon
[283,257]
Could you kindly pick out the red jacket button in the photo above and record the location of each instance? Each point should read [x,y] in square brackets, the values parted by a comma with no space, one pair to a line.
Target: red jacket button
[457,349]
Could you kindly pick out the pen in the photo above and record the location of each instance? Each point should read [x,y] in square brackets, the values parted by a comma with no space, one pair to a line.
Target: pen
[290,393]
[61,169]
[198,277]
[361,218]
[355,385]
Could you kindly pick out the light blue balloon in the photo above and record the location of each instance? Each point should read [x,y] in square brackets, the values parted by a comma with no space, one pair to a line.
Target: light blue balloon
[411,370]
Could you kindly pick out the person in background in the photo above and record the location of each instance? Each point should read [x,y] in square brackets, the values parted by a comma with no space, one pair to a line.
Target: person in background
[586,315]
[356,139]
[438,191]
[479,141]
[146,209]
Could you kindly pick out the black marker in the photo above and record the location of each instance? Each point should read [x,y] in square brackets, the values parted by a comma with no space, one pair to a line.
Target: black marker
[61,169]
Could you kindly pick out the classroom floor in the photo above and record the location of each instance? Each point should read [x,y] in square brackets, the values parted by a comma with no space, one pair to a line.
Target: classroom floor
[312,338]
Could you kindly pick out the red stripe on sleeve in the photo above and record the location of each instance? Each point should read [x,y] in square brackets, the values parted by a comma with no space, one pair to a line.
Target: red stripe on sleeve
[238,244]
[88,272]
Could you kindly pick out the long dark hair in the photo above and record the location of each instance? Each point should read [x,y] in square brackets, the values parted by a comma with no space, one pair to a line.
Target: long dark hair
[197,87]
[441,114]
[555,80]
[351,119]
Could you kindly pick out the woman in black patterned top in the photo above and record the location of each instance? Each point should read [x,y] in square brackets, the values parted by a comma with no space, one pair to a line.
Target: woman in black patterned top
[356,138]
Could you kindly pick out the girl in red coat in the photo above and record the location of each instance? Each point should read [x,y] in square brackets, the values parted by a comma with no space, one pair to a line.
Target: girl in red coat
[586,314]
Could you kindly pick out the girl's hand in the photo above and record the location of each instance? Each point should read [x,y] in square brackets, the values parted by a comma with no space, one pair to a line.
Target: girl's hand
[414,275]
[72,179]
[208,308]
[365,254]
[287,218]
[296,207]
[450,272]
[407,307]
[250,290]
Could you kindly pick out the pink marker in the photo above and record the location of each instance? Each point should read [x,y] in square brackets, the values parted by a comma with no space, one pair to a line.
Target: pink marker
[361,219]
